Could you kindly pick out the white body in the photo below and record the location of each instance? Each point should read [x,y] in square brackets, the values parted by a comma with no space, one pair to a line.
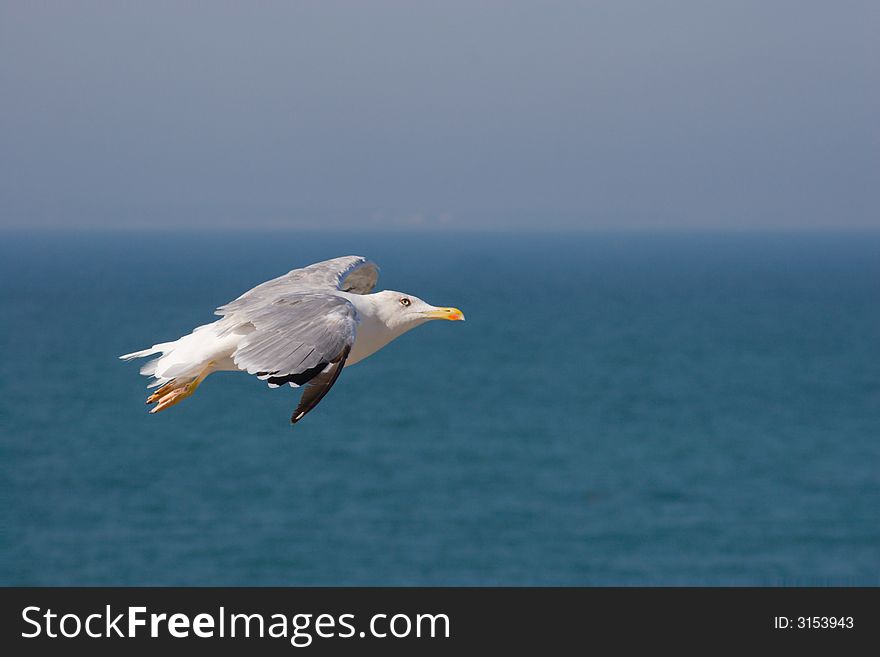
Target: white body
[301,328]
[203,351]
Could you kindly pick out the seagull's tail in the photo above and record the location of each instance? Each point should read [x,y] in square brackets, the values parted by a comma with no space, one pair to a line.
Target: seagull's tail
[172,389]
[183,364]
[149,369]
[155,349]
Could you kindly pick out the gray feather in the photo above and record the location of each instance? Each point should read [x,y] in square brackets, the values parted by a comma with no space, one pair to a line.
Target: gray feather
[295,333]
[353,274]
[318,387]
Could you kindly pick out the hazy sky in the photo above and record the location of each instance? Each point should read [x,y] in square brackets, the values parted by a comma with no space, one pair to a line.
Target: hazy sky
[495,114]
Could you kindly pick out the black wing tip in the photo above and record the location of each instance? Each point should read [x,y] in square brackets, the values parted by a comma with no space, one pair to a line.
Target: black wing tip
[300,379]
[317,389]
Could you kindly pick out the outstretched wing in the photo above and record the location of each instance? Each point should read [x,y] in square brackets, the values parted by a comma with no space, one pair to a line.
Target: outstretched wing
[353,274]
[300,339]
[318,387]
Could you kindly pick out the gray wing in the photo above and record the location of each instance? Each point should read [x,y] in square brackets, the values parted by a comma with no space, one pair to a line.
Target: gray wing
[318,387]
[300,339]
[353,274]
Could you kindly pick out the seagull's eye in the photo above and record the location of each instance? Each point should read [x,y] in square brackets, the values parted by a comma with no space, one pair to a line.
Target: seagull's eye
[404,302]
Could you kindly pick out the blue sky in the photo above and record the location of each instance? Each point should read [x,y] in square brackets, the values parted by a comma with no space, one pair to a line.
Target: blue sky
[583,115]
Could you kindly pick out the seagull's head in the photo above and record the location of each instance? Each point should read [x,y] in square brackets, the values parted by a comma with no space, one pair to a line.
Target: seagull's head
[401,311]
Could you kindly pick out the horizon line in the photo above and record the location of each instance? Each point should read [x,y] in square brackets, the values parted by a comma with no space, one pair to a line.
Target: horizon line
[433,229]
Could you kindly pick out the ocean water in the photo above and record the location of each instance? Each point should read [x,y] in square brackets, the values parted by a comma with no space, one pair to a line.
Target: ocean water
[618,409]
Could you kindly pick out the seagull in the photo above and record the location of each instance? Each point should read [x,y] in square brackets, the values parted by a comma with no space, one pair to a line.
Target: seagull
[301,328]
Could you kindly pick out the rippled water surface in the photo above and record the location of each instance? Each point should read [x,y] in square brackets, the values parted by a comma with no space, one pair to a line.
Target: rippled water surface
[617,409]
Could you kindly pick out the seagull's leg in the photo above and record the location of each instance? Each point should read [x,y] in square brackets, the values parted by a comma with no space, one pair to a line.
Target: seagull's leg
[175,391]
[161,392]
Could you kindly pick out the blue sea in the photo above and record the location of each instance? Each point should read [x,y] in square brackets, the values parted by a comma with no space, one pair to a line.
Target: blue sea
[618,409]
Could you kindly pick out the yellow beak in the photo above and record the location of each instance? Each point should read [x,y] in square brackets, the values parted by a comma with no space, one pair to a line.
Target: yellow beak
[453,314]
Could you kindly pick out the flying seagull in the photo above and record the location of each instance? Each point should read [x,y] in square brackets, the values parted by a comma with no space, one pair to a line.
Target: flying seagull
[301,328]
